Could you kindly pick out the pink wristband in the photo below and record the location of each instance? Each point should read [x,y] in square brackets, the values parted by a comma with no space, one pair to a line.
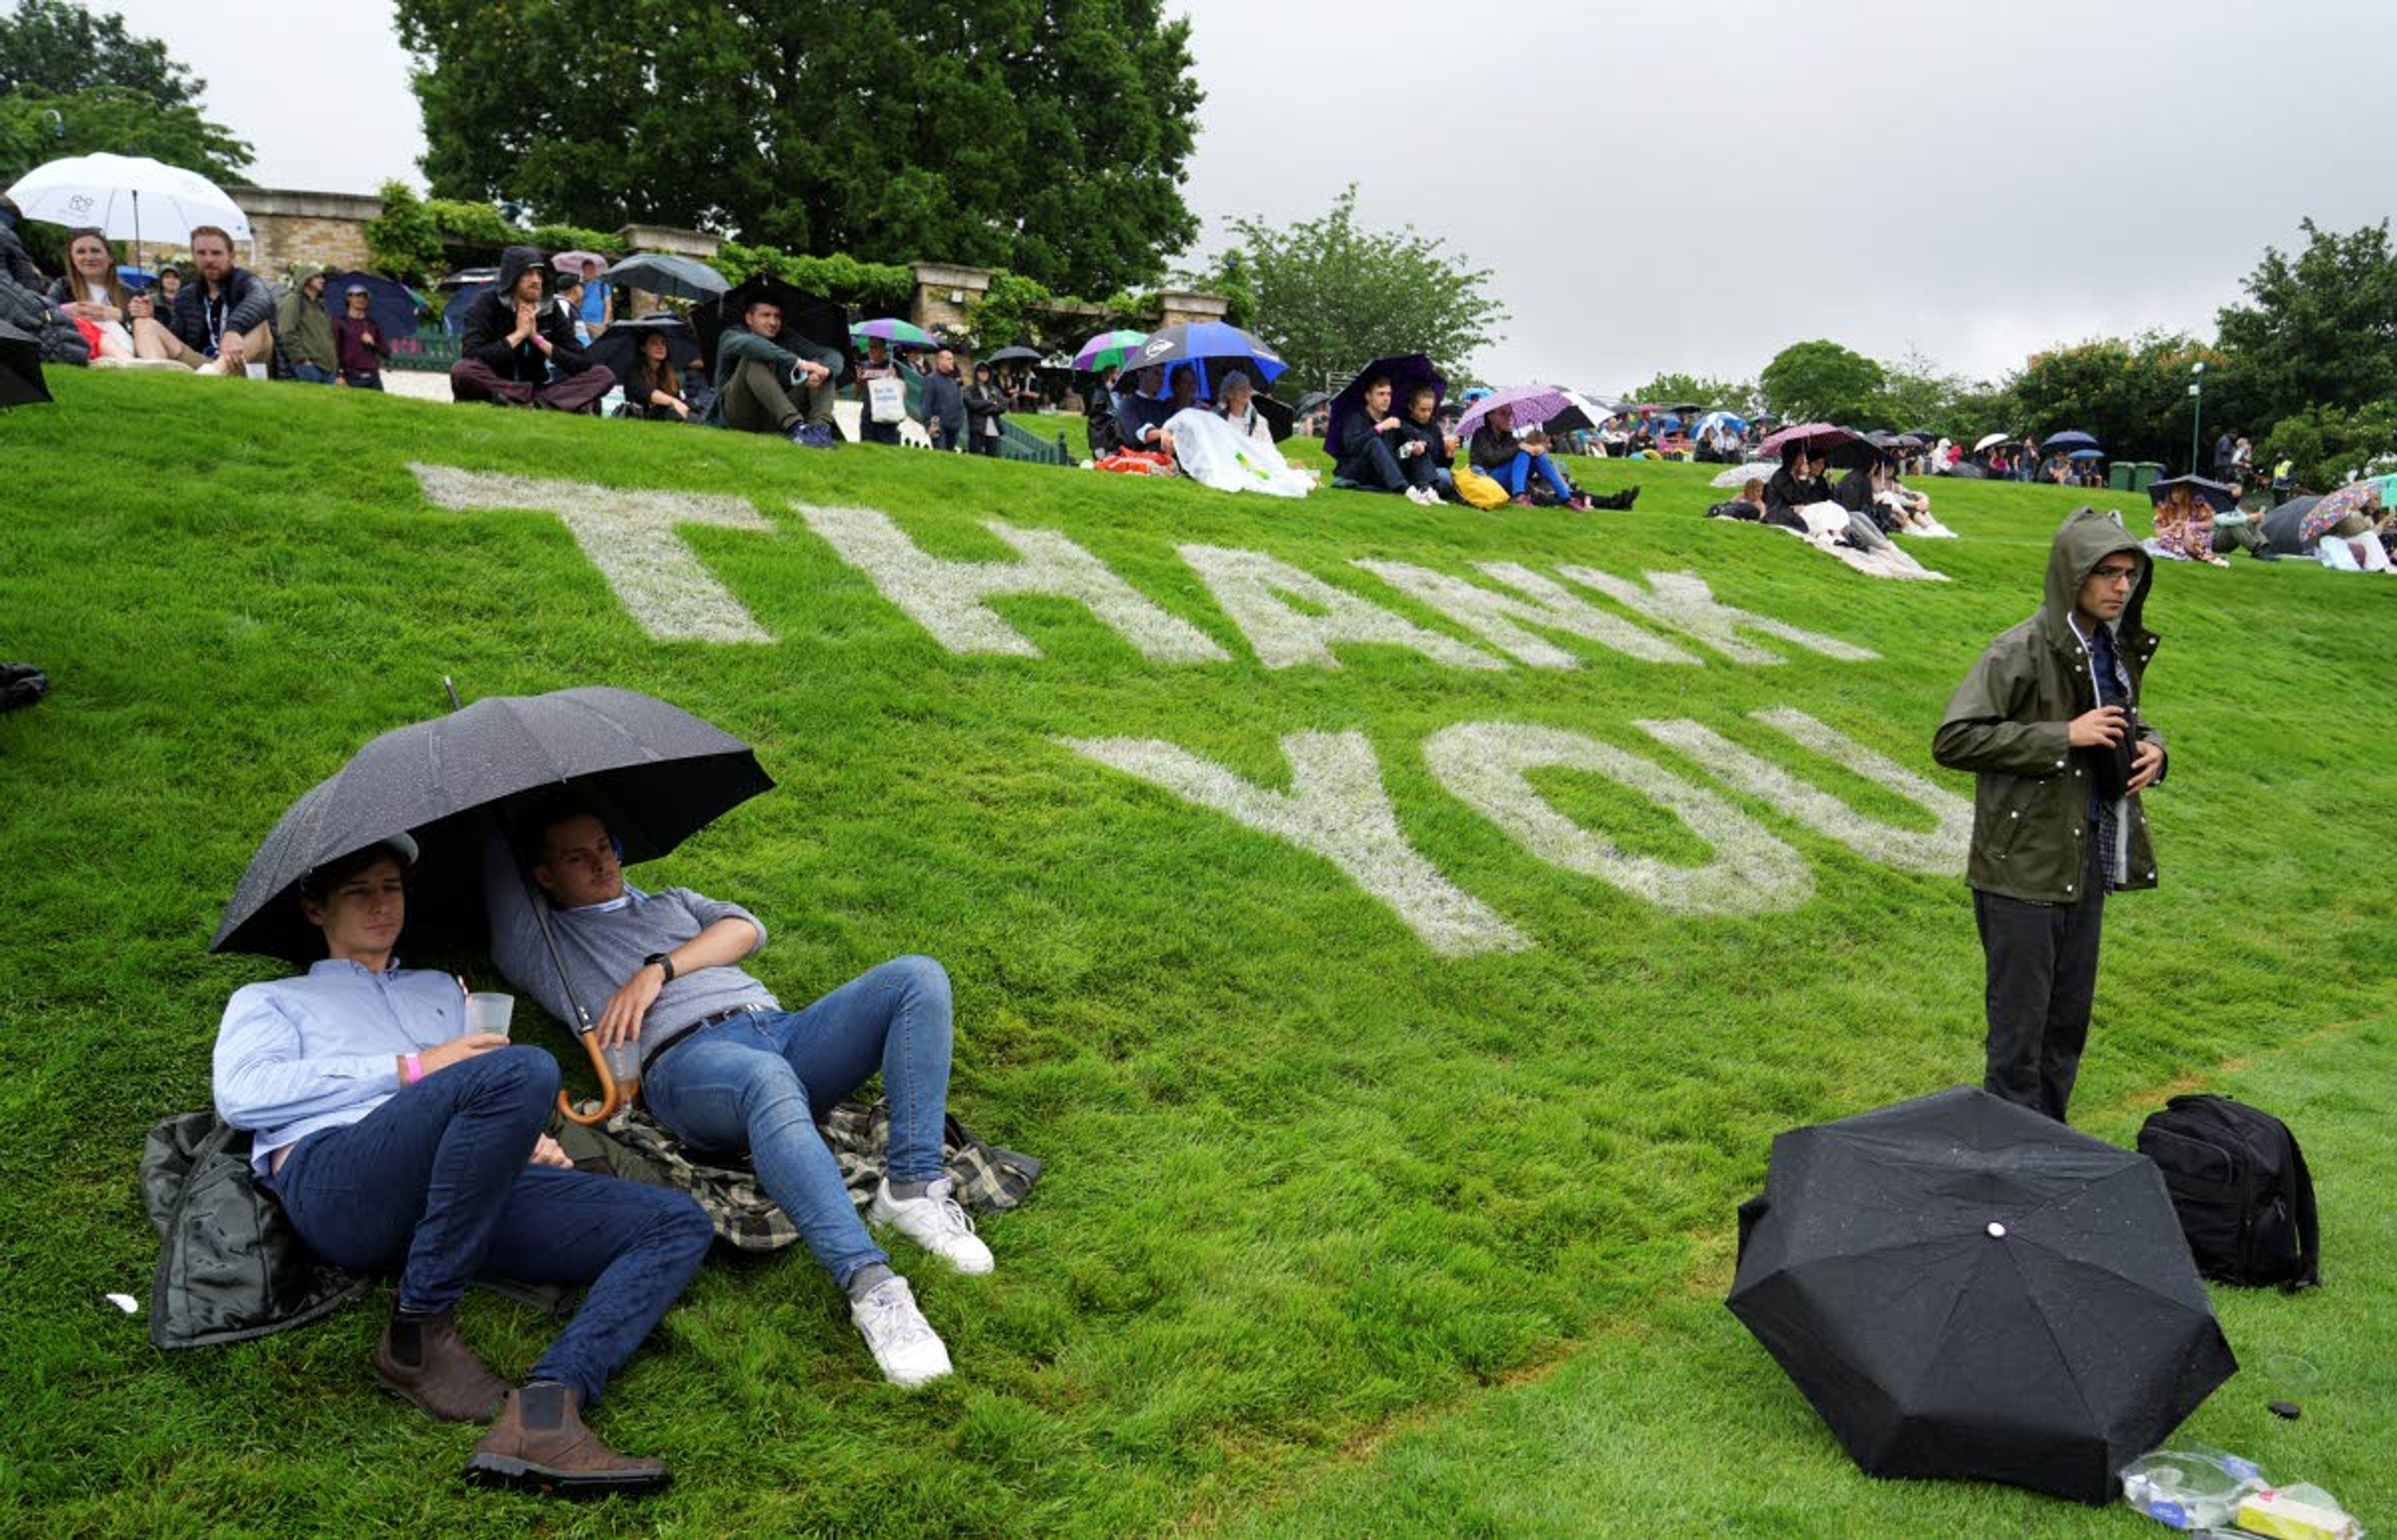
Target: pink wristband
[414,1070]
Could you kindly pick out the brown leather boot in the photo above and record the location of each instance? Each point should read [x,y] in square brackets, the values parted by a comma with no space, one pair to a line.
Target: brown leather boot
[540,1442]
[423,1361]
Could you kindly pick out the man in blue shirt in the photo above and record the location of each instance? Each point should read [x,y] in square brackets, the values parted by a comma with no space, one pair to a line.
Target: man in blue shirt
[396,1138]
[727,1068]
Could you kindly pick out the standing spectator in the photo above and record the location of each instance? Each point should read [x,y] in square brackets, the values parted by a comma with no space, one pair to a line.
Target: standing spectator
[304,332]
[512,340]
[359,346]
[223,324]
[945,403]
[2243,462]
[598,299]
[2048,721]
[2225,447]
[878,422]
[985,406]
[1099,410]
[569,301]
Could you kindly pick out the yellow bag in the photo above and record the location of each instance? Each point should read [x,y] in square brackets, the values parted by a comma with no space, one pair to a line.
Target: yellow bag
[1478,489]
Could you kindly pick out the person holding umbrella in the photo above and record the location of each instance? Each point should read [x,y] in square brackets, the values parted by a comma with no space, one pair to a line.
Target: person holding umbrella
[1368,448]
[2049,722]
[358,343]
[724,1067]
[394,1137]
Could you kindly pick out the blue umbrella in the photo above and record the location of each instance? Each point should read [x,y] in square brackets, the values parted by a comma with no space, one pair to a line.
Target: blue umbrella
[1714,420]
[390,305]
[1667,423]
[135,277]
[1227,347]
[1406,371]
[2086,454]
[2072,439]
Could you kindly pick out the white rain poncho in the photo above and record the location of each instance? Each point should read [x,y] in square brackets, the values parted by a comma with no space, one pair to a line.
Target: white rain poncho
[1213,453]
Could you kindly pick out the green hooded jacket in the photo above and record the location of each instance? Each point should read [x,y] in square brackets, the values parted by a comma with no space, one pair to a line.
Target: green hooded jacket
[2007,724]
[302,328]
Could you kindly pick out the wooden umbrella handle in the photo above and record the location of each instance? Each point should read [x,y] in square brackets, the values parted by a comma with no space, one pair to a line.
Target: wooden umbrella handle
[611,1095]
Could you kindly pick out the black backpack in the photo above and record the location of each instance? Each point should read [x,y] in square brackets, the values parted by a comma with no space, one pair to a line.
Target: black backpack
[2240,1184]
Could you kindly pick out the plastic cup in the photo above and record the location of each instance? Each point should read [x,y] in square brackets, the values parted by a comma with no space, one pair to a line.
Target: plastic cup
[624,1063]
[489,1012]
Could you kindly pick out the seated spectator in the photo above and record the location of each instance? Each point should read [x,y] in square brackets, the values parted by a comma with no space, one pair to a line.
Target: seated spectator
[1911,508]
[882,392]
[1497,453]
[163,292]
[17,264]
[986,403]
[59,340]
[762,386]
[1366,457]
[945,403]
[303,333]
[396,1140]
[1142,410]
[654,390]
[2185,527]
[512,339]
[1798,492]
[1748,507]
[1236,403]
[2340,529]
[359,346]
[93,291]
[1147,429]
[1426,449]
[221,324]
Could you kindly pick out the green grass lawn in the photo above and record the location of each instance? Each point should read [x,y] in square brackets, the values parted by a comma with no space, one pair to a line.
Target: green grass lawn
[1340,1235]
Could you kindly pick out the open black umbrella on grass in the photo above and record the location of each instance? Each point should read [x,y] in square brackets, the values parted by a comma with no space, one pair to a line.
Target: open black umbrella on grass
[618,347]
[811,323]
[1965,1288]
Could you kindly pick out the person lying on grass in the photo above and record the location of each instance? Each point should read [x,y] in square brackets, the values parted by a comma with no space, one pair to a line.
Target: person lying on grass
[726,1068]
[395,1139]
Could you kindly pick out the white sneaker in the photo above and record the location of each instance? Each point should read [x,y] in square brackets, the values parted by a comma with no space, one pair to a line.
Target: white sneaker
[933,1222]
[904,1345]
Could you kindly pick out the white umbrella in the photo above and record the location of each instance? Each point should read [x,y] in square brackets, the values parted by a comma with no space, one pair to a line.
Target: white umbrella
[127,198]
[1993,441]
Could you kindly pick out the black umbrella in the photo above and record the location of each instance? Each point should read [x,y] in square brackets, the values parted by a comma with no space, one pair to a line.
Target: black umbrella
[1965,1288]
[1280,421]
[655,774]
[808,318]
[618,347]
[1313,399]
[389,304]
[21,368]
[1012,355]
[2221,498]
[664,274]
[1405,371]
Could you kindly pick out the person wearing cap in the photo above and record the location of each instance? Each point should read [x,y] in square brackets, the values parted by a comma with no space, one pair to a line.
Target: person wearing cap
[359,346]
[724,1067]
[396,1140]
[304,332]
[2049,722]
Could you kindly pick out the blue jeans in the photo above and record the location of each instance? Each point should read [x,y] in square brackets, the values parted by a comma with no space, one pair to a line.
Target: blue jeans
[435,1181]
[761,1081]
[1516,473]
[311,374]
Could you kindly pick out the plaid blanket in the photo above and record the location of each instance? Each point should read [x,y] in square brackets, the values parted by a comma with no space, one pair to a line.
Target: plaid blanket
[634,1146]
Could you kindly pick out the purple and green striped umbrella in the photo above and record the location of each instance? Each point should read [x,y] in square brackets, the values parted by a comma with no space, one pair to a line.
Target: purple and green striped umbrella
[892,329]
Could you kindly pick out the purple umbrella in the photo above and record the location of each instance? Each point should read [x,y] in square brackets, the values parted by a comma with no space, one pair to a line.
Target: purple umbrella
[1529,406]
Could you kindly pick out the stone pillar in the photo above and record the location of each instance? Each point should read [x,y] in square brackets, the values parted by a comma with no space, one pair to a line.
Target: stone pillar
[944,291]
[665,237]
[1176,307]
[290,227]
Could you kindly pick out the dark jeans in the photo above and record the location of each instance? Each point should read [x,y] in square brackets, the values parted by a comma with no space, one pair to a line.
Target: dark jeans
[313,374]
[471,379]
[2042,976]
[363,382]
[434,1183]
[1375,468]
[982,443]
[877,432]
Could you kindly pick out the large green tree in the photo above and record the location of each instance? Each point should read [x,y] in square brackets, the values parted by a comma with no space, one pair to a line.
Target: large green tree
[1823,381]
[1674,389]
[1331,297]
[72,82]
[1046,137]
[2130,393]
[2317,330]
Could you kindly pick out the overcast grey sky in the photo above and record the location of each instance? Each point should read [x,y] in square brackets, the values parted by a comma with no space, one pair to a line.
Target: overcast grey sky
[1972,181]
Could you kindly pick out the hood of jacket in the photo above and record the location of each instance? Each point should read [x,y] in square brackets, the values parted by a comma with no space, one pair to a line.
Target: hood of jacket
[2087,538]
[512,262]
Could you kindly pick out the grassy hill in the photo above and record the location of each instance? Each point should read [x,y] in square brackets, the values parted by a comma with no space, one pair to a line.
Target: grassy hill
[1347,1229]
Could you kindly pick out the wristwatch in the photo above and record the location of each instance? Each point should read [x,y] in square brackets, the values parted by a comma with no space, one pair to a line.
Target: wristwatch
[665,962]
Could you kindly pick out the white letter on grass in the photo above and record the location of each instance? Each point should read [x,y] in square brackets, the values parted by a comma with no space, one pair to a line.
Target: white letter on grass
[1485,764]
[1249,585]
[1682,601]
[947,597]
[1492,615]
[630,537]
[1940,852]
[1336,808]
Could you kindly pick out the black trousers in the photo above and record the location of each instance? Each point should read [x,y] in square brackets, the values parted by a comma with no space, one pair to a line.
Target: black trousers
[2042,976]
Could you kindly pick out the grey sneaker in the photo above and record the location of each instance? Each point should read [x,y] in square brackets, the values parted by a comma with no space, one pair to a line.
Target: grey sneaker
[935,1223]
[906,1347]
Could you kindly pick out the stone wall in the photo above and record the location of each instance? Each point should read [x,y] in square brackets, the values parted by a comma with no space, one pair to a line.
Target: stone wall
[288,228]
[944,292]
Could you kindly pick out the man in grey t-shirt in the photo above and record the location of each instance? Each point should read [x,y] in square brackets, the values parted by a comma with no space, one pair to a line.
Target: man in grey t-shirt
[727,1069]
